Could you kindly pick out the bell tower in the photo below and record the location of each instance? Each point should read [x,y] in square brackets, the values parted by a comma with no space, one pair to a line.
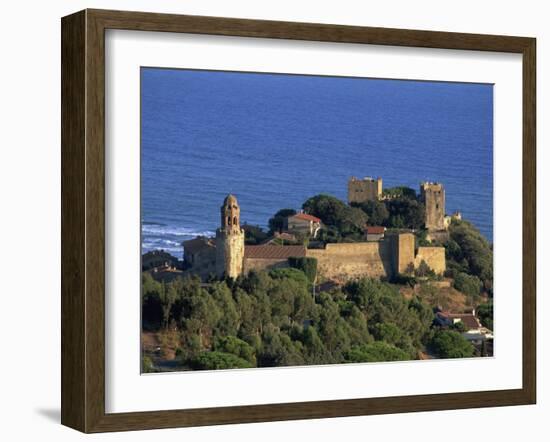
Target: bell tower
[230,240]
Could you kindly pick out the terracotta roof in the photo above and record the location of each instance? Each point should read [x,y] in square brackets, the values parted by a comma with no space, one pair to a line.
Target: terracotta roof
[469,320]
[274,252]
[285,235]
[306,217]
[194,245]
[375,230]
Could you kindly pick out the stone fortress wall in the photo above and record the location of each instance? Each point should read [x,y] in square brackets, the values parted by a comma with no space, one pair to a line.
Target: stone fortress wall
[433,256]
[389,257]
[343,261]
[258,264]
[393,255]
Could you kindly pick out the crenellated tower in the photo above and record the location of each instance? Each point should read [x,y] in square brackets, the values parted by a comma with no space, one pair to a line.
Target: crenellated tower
[230,240]
[433,197]
[363,190]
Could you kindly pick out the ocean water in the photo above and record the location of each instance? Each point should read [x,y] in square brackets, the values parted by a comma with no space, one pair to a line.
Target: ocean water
[274,140]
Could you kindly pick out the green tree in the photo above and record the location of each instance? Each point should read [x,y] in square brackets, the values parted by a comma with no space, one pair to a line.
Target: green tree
[147,365]
[424,270]
[235,346]
[376,211]
[376,352]
[405,213]
[229,320]
[277,222]
[254,234]
[469,252]
[451,344]
[400,192]
[470,285]
[151,308]
[215,360]
[278,349]
[485,314]
[307,265]
[168,296]
[349,221]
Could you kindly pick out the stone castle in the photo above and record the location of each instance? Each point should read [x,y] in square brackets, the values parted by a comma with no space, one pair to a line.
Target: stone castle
[432,195]
[362,190]
[228,255]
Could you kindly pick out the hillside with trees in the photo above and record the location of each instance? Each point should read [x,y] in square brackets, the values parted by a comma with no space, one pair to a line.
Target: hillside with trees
[269,319]
[277,318]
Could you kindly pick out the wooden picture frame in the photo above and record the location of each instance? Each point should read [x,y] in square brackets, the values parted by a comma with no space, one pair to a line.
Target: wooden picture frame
[83,220]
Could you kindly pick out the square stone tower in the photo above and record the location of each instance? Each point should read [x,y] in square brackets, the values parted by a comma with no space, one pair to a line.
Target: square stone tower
[433,197]
[362,190]
[230,240]
[403,252]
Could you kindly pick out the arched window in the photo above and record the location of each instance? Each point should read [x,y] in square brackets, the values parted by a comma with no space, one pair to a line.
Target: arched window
[228,220]
[235,220]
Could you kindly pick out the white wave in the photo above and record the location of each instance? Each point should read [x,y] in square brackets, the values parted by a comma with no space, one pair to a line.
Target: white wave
[161,241]
[159,230]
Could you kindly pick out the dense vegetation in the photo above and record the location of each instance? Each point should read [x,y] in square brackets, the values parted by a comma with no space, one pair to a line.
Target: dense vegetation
[271,319]
[451,344]
[344,223]
[277,222]
[469,260]
[341,222]
[267,319]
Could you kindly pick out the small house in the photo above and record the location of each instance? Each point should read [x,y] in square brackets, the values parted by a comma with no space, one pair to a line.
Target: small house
[375,233]
[303,224]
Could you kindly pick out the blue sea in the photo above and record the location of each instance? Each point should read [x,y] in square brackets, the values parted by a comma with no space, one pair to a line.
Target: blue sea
[274,140]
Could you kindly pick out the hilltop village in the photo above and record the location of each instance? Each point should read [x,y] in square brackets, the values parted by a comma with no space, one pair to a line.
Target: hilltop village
[381,254]
[386,275]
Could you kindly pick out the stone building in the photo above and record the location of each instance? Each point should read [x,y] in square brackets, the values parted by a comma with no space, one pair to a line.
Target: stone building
[450,218]
[200,254]
[267,257]
[303,224]
[362,190]
[230,240]
[375,233]
[395,254]
[433,197]
[228,255]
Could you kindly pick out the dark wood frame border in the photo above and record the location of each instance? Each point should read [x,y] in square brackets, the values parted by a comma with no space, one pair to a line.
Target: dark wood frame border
[83,216]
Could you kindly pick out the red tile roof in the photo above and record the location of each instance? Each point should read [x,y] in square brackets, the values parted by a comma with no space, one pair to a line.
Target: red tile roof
[306,217]
[274,252]
[469,320]
[375,230]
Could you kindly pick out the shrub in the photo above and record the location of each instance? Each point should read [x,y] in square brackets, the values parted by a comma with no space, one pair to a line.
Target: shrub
[217,360]
[235,346]
[485,314]
[147,365]
[451,344]
[306,265]
[470,285]
[277,222]
[378,351]
[424,270]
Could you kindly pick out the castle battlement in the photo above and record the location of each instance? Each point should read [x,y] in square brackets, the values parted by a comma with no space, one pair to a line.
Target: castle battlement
[387,257]
[432,195]
[365,189]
